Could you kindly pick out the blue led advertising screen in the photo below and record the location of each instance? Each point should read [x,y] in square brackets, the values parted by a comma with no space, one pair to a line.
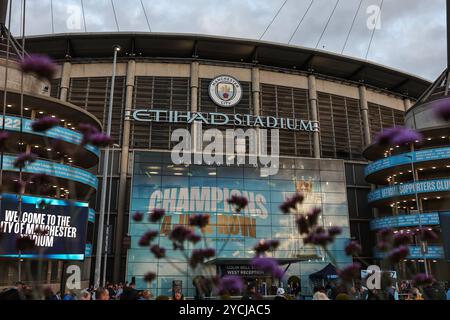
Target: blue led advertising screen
[58,227]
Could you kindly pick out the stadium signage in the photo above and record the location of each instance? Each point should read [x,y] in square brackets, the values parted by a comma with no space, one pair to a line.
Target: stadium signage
[221,119]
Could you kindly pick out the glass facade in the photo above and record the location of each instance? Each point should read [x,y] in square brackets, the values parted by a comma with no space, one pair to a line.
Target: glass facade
[184,190]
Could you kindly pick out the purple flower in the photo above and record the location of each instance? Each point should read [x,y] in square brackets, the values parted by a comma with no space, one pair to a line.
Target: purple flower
[23,159]
[302,225]
[157,214]
[398,254]
[397,136]
[230,285]
[422,279]
[180,234]
[99,140]
[319,237]
[150,277]
[200,220]
[441,109]
[45,123]
[200,255]
[138,216]
[4,135]
[350,272]
[158,251]
[291,203]
[268,265]
[313,216]
[41,65]
[147,238]
[401,239]
[193,238]
[238,202]
[87,129]
[353,249]
[266,245]
[334,231]
[383,246]
[25,244]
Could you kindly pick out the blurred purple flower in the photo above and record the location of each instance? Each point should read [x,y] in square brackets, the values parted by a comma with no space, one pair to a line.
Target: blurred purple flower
[193,238]
[25,244]
[291,203]
[319,237]
[266,245]
[383,246]
[441,109]
[87,129]
[157,214]
[99,140]
[302,225]
[238,202]
[23,159]
[158,251]
[350,272]
[4,135]
[230,285]
[422,279]
[334,231]
[150,277]
[385,234]
[138,216]
[398,254]
[397,136]
[353,249]
[180,234]
[200,255]
[199,220]
[41,65]
[45,123]
[268,265]
[147,238]
[313,216]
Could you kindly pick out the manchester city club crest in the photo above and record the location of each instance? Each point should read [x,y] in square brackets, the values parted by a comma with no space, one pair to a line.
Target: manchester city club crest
[225,91]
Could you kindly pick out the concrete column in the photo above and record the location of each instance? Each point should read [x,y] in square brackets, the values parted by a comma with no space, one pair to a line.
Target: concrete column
[3,11]
[364,105]
[131,72]
[407,104]
[195,127]
[314,113]
[256,91]
[65,81]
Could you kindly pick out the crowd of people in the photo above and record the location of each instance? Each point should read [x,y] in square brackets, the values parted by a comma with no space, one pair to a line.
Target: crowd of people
[332,291]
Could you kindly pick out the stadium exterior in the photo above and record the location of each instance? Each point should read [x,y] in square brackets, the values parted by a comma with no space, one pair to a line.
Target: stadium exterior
[349,100]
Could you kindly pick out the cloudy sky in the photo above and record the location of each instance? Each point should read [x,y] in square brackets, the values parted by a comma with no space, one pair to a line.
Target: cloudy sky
[411,35]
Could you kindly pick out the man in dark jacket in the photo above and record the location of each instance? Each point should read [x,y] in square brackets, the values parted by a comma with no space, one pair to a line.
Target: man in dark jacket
[130,292]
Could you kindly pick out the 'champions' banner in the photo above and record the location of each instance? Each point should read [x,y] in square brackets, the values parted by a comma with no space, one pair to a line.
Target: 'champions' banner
[57,227]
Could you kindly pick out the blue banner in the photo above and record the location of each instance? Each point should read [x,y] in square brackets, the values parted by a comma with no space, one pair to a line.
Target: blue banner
[58,227]
[91,215]
[407,158]
[425,219]
[428,186]
[60,133]
[434,252]
[54,169]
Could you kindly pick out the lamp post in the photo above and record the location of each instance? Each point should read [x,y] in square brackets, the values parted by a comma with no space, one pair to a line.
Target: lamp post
[107,235]
[415,178]
[98,255]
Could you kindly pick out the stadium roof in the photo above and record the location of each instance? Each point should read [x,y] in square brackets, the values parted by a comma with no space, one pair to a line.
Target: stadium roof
[203,47]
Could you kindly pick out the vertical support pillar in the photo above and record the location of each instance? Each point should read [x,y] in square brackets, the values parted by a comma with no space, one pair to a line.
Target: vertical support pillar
[364,106]
[131,73]
[407,104]
[195,127]
[256,91]
[314,113]
[65,80]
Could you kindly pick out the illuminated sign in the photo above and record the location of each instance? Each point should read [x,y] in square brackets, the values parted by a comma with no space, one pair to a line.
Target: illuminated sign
[60,133]
[221,119]
[407,158]
[434,252]
[425,219]
[54,169]
[430,186]
[58,227]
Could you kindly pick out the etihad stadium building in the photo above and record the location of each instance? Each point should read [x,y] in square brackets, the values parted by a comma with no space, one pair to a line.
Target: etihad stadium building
[326,109]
